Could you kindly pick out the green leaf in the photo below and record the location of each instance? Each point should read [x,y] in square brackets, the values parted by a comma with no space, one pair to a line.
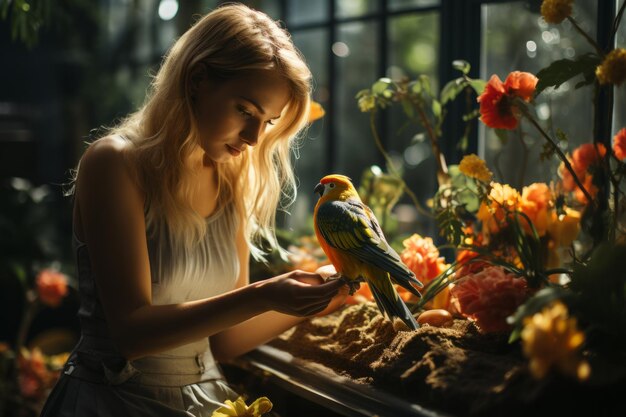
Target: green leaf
[418,138]
[381,85]
[436,106]
[461,65]
[425,81]
[471,115]
[408,108]
[451,90]
[565,69]
[477,85]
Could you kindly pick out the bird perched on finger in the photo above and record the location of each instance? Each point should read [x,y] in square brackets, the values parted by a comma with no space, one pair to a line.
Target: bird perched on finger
[351,237]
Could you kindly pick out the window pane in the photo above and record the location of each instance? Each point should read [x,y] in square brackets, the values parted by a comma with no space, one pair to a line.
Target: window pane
[269,7]
[413,46]
[310,165]
[527,43]
[306,11]
[405,4]
[354,8]
[619,113]
[356,70]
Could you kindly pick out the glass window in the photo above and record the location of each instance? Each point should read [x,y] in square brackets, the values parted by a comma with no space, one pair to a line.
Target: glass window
[527,43]
[306,11]
[406,4]
[355,8]
[413,45]
[619,113]
[356,69]
[310,165]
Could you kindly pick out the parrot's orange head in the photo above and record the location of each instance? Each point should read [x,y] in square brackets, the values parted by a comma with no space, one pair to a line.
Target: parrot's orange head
[336,186]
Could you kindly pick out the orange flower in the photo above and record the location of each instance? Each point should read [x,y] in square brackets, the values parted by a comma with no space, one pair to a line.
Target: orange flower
[535,203]
[51,287]
[34,376]
[503,199]
[567,181]
[587,155]
[619,144]
[421,256]
[316,112]
[589,186]
[497,105]
[489,297]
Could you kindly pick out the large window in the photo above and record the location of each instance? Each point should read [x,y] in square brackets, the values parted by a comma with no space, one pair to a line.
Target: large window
[348,44]
[527,43]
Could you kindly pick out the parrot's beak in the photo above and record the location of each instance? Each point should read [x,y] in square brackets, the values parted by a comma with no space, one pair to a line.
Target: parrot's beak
[319,188]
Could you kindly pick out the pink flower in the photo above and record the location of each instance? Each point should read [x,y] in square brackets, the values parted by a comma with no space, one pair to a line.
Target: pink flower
[489,297]
[51,287]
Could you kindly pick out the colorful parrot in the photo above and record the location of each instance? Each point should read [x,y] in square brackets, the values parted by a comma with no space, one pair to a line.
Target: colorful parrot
[352,239]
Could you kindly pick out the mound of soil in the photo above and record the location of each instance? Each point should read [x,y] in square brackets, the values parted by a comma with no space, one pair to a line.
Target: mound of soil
[456,370]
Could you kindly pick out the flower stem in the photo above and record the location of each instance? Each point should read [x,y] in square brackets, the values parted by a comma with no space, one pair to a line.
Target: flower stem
[29,314]
[392,168]
[586,36]
[618,19]
[442,169]
[559,152]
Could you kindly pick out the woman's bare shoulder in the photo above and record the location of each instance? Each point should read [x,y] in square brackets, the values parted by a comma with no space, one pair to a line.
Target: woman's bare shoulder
[106,159]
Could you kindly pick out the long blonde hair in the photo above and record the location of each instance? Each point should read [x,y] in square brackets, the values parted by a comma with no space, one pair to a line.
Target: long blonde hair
[163,133]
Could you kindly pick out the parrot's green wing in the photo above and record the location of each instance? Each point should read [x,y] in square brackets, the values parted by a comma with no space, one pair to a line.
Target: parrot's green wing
[350,226]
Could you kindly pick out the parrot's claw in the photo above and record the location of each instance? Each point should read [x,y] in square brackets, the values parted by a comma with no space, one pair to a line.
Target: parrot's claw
[353,284]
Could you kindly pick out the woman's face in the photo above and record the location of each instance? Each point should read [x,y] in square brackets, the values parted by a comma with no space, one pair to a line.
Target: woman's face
[234,114]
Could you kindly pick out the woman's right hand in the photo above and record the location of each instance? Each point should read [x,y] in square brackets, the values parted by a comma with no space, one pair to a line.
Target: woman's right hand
[298,293]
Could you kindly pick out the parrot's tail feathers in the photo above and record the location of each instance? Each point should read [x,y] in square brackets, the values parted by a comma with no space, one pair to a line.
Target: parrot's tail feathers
[407,284]
[394,308]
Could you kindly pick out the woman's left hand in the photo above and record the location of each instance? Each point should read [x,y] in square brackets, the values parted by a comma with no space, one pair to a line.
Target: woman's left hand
[338,300]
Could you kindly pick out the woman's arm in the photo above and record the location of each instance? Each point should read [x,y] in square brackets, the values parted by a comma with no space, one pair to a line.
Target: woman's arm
[111,221]
[260,329]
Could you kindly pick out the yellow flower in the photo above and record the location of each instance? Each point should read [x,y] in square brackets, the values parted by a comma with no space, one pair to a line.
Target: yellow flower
[367,103]
[613,69]
[555,11]
[564,228]
[238,408]
[474,167]
[503,200]
[316,111]
[550,339]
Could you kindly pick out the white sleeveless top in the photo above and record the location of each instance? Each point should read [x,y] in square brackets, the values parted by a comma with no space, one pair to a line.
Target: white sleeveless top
[184,381]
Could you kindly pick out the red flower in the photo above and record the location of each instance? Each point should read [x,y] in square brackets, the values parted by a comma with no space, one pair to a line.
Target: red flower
[587,155]
[51,287]
[489,297]
[497,105]
[619,144]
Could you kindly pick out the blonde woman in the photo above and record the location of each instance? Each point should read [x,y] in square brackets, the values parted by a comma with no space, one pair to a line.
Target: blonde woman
[168,208]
